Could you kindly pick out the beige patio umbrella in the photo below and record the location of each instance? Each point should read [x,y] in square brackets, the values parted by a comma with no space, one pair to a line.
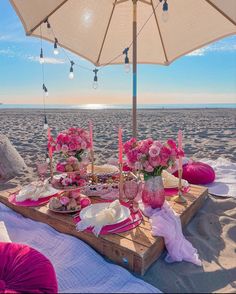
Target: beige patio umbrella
[101,30]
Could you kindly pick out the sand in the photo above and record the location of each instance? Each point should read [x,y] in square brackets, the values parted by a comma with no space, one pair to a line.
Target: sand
[207,134]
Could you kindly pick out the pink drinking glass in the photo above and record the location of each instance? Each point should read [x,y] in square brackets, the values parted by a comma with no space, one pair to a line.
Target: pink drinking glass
[42,168]
[131,190]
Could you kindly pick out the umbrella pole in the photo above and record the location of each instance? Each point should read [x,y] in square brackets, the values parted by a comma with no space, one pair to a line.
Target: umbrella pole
[134,108]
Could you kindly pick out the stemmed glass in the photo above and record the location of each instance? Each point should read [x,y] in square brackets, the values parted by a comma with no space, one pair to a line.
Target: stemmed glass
[131,189]
[42,168]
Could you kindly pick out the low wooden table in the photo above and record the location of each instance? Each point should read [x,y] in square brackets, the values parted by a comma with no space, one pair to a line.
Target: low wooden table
[135,250]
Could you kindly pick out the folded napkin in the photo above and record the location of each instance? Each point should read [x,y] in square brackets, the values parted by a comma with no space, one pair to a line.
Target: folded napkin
[33,191]
[171,181]
[166,223]
[104,217]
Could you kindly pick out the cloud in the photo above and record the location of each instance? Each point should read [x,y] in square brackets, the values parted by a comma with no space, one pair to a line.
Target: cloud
[5,37]
[7,52]
[221,46]
[47,60]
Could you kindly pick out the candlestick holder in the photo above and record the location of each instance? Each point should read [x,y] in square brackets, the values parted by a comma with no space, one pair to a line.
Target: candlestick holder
[180,198]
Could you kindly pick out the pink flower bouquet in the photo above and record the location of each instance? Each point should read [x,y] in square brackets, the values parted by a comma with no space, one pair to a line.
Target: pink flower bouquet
[73,141]
[151,157]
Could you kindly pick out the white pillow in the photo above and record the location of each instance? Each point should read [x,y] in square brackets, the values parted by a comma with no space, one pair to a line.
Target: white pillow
[4,237]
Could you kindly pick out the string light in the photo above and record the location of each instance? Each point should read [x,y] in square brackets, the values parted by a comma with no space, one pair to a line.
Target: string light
[41,58]
[71,74]
[165,14]
[127,64]
[95,79]
[45,90]
[56,51]
[49,31]
[45,126]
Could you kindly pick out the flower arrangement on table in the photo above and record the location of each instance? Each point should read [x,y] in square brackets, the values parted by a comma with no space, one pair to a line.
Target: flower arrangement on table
[150,158]
[72,144]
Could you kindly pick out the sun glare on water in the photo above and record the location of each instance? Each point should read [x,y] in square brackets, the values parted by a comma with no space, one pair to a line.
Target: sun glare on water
[93,106]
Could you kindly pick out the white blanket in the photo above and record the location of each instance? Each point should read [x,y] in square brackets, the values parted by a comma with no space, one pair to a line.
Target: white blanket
[78,267]
[225,182]
[4,237]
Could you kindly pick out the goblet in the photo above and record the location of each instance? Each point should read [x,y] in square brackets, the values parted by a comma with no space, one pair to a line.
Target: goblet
[131,189]
[42,170]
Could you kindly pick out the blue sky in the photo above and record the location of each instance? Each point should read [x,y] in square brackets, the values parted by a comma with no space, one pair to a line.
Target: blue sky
[206,76]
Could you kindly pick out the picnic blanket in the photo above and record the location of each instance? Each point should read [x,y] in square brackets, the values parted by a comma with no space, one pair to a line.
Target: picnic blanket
[225,181]
[78,267]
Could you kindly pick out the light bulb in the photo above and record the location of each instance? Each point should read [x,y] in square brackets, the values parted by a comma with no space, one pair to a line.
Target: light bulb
[45,126]
[41,60]
[127,67]
[165,16]
[71,75]
[56,51]
[95,85]
[46,94]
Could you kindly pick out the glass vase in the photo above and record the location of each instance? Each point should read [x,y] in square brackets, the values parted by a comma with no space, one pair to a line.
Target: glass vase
[153,193]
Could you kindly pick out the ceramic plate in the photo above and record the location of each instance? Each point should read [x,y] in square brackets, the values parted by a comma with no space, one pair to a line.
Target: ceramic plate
[93,209]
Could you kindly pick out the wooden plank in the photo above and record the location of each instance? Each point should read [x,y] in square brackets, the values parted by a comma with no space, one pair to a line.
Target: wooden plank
[135,250]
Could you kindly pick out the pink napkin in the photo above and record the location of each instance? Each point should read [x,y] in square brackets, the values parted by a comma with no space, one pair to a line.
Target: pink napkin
[166,223]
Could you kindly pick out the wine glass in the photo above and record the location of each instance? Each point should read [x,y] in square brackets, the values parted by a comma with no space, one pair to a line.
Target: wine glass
[42,168]
[131,189]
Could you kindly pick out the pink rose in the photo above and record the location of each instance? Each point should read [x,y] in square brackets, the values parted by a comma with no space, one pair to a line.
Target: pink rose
[64,148]
[149,169]
[60,167]
[64,200]
[155,161]
[171,143]
[72,146]
[58,147]
[83,145]
[72,160]
[154,151]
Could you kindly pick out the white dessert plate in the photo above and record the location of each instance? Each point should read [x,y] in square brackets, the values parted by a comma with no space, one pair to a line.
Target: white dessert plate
[92,210]
[49,192]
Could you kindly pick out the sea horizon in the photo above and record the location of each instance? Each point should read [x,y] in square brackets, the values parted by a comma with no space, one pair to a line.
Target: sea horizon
[120,106]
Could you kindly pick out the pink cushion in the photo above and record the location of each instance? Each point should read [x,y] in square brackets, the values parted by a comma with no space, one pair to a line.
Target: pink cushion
[198,173]
[25,270]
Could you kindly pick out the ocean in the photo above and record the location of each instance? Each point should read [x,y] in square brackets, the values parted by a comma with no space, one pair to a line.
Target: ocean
[119,106]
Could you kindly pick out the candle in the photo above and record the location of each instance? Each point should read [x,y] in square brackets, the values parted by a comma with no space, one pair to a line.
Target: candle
[180,143]
[91,134]
[120,147]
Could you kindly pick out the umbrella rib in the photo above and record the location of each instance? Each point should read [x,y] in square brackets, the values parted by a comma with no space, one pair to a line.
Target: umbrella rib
[45,18]
[220,11]
[105,35]
[159,30]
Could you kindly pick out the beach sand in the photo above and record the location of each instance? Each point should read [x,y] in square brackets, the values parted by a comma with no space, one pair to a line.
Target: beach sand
[208,133]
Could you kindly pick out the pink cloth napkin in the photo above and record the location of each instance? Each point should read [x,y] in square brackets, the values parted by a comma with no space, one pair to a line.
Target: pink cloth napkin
[166,223]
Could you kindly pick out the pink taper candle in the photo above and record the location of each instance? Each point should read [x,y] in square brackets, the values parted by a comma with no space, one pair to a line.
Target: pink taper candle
[91,134]
[180,146]
[120,147]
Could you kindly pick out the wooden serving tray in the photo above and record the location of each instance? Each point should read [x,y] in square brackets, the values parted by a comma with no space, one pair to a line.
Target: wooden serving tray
[135,250]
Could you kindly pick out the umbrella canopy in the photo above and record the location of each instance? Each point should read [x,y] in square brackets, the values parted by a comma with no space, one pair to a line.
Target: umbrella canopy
[100,30]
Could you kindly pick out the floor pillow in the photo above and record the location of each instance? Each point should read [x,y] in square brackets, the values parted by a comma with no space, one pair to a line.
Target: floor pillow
[25,270]
[198,173]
